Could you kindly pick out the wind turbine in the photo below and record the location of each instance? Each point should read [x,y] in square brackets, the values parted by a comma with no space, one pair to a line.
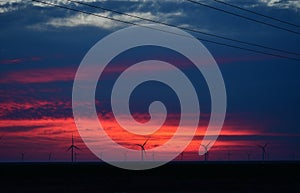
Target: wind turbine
[22,156]
[206,151]
[263,149]
[142,148]
[1,137]
[181,156]
[228,155]
[72,148]
[248,155]
[49,156]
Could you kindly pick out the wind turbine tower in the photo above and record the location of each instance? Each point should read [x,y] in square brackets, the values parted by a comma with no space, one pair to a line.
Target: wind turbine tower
[206,151]
[49,156]
[22,156]
[72,148]
[142,149]
[228,155]
[263,150]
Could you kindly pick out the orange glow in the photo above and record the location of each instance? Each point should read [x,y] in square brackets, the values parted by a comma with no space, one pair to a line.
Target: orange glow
[121,136]
[37,137]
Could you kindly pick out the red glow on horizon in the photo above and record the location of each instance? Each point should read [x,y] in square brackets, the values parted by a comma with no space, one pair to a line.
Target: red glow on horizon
[55,135]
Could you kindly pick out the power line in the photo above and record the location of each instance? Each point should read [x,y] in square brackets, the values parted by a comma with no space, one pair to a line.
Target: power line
[244,17]
[131,23]
[256,13]
[106,17]
[248,49]
[185,28]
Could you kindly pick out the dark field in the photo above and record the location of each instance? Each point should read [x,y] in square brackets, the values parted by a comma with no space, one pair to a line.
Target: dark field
[189,177]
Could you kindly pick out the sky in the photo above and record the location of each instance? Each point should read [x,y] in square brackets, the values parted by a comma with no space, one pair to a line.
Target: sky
[42,47]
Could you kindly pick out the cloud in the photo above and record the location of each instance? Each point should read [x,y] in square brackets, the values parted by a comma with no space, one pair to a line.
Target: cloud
[81,19]
[7,9]
[37,75]
[4,2]
[290,4]
[9,5]
[103,21]
[37,127]
[19,60]
[15,129]
[146,9]
[35,109]
[59,74]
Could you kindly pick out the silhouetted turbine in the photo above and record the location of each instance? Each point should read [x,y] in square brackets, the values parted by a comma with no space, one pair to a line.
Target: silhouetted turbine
[228,155]
[248,156]
[49,156]
[1,137]
[72,148]
[142,148]
[206,150]
[263,149]
[181,156]
[22,156]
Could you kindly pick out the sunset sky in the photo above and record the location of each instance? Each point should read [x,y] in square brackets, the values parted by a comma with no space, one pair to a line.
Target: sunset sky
[42,46]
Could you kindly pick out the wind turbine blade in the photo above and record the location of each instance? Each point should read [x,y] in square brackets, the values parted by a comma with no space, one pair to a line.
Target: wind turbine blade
[139,145]
[208,144]
[69,148]
[205,148]
[76,147]
[145,142]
